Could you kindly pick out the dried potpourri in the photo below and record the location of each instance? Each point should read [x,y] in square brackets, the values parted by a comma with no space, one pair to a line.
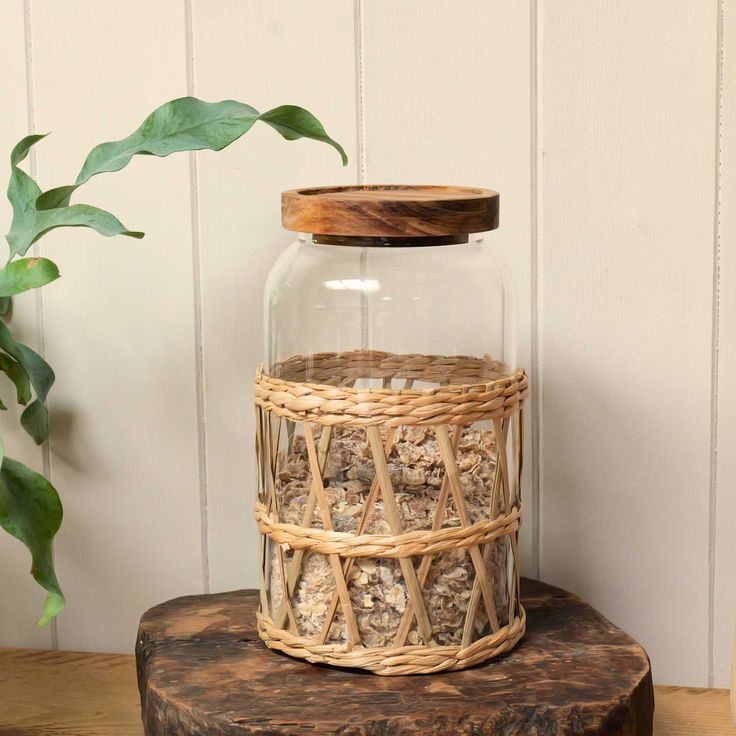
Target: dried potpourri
[376,585]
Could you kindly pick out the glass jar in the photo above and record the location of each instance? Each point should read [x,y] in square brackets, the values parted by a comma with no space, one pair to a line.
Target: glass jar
[389,432]
[452,296]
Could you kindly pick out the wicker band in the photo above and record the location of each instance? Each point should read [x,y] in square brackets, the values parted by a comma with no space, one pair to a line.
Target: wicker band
[409,544]
[342,369]
[320,389]
[455,403]
[406,660]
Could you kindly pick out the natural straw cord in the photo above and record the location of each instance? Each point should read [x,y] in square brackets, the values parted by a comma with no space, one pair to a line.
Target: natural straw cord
[408,544]
[344,368]
[406,660]
[455,403]
[319,389]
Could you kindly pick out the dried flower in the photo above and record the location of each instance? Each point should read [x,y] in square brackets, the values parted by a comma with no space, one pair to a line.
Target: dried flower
[376,586]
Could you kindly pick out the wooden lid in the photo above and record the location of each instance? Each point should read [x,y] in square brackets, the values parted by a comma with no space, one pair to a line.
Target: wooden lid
[384,210]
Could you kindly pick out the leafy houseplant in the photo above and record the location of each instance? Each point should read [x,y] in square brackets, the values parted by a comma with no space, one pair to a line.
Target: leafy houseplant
[30,508]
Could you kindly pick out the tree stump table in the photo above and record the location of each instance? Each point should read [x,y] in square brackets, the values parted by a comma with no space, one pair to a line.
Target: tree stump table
[203,670]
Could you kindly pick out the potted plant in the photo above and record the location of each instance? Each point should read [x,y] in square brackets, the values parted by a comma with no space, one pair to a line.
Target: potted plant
[30,507]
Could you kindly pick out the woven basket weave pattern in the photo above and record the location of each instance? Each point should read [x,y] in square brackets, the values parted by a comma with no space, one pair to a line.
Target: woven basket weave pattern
[319,390]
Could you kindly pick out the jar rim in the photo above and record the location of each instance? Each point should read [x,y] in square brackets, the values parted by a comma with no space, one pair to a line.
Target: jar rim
[368,241]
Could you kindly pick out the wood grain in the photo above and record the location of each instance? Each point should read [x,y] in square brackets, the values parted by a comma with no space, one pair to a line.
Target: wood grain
[46,693]
[689,711]
[74,693]
[625,289]
[389,210]
[202,669]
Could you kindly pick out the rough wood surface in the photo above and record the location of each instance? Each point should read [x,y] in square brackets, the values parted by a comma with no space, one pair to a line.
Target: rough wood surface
[44,693]
[390,211]
[202,669]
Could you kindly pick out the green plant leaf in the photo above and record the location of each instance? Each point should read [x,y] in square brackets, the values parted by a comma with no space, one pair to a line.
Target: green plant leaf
[186,124]
[35,418]
[189,124]
[22,190]
[22,193]
[29,506]
[18,376]
[30,510]
[29,224]
[38,370]
[35,421]
[295,122]
[25,274]
[57,197]
[30,227]
[22,148]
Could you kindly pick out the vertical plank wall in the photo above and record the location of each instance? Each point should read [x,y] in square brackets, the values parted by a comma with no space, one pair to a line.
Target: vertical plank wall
[454,89]
[259,53]
[724,507]
[118,324]
[607,127]
[21,600]
[627,111]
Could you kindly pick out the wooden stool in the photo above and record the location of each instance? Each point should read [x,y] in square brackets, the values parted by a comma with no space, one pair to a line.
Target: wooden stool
[203,670]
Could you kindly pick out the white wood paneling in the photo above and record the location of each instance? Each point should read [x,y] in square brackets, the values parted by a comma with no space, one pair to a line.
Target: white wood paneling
[266,54]
[119,328]
[627,118]
[445,99]
[724,599]
[21,600]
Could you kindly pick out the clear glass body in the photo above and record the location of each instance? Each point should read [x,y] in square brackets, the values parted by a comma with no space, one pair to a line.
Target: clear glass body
[453,299]
[363,314]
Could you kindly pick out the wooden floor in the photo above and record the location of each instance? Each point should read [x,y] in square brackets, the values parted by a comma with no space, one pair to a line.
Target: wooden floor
[60,693]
